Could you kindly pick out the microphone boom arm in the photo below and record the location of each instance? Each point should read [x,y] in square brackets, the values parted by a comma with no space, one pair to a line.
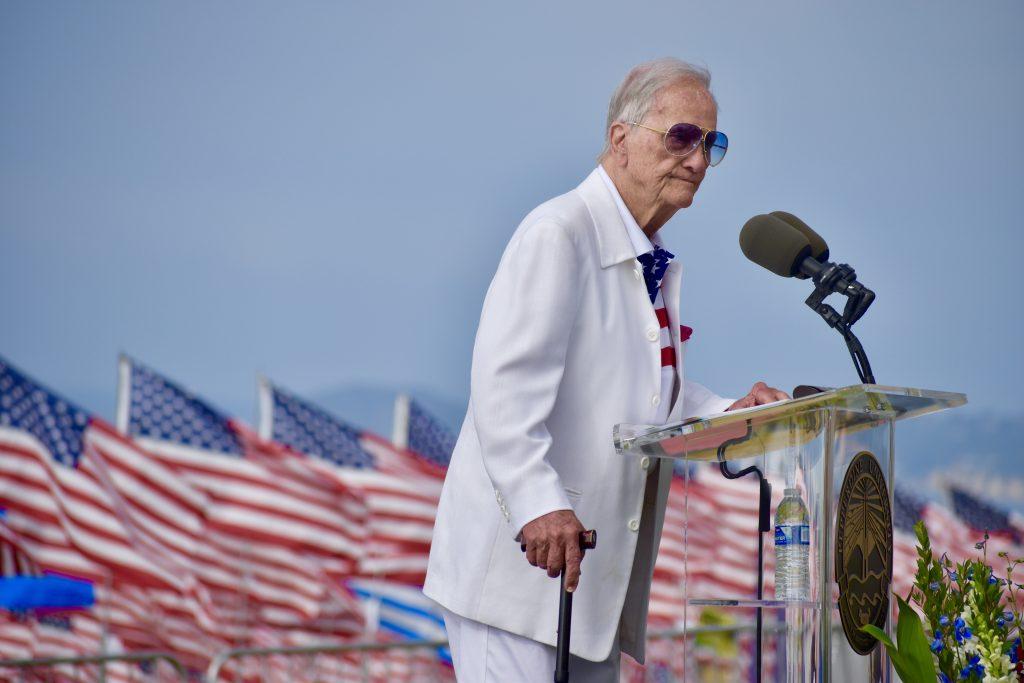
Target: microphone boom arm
[841,278]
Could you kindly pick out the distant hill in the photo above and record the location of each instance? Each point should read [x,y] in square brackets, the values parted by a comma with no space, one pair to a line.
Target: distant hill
[983,453]
[980,452]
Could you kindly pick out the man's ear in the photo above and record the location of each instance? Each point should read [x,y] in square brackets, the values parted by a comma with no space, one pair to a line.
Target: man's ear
[618,153]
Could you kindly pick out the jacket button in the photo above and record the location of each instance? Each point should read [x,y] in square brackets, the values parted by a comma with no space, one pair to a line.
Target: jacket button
[645,463]
[634,524]
[652,334]
[655,400]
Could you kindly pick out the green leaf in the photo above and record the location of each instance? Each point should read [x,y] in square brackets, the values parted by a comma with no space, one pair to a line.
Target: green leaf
[898,660]
[879,635]
[911,658]
[913,646]
[922,533]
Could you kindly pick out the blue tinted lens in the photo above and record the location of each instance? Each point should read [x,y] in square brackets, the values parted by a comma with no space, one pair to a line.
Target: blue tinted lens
[716,144]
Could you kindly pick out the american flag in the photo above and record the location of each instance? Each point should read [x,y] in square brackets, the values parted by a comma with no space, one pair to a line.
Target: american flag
[907,510]
[52,493]
[276,535]
[399,488]
[14,559]
[25,586]
[228,462]
[428,437]
[68,522]
[985,518]
[953,531]
[200,534]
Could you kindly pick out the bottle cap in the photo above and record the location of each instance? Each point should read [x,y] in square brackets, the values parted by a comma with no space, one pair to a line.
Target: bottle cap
[791,492]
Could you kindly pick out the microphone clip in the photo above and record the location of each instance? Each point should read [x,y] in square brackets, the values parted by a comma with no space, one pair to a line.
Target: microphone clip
[838,278]
[832,278]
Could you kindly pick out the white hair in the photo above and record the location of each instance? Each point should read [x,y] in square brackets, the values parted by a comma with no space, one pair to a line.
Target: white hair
[632,100]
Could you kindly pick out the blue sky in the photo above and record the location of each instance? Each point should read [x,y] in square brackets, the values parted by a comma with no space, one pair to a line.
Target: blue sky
[321,191]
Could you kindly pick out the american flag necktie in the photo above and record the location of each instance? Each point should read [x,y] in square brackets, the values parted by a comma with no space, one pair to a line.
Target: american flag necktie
[655,263]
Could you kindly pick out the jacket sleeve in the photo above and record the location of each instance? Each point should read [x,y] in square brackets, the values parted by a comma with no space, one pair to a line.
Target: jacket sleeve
[698,400]
[518,361]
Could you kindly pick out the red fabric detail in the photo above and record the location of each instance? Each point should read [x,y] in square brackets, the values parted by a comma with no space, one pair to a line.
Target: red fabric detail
[684,333]
[662,316]
[668,356]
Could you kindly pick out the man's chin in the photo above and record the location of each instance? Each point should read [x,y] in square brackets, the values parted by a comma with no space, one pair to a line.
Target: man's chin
[683,201]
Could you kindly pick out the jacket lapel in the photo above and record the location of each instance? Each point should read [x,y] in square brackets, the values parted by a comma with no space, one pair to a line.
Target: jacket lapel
[613,243]
[615,248]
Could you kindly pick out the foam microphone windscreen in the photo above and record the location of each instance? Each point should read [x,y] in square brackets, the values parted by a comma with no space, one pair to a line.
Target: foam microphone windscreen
[819,247]
[774,244]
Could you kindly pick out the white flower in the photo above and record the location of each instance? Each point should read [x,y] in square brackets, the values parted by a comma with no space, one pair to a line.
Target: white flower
[998,666]
[999,679]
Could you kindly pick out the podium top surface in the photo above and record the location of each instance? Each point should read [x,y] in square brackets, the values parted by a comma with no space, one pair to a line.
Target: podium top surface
[774,425]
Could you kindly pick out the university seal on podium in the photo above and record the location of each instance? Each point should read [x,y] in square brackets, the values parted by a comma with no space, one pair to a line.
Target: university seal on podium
[863,563]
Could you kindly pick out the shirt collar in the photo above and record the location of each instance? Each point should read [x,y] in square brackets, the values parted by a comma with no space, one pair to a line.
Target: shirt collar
[641,243]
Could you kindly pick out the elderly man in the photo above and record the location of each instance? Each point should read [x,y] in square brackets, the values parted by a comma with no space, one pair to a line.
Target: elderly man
[579,331]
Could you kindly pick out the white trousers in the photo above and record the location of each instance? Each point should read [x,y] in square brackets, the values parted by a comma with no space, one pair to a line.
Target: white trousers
[484,654]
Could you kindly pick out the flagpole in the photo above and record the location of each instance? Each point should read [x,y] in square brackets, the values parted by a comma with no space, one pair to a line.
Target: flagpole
[265,407]
[400,425]
[124,380]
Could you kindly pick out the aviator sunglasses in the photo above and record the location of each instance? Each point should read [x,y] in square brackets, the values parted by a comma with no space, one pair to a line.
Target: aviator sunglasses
[683,138]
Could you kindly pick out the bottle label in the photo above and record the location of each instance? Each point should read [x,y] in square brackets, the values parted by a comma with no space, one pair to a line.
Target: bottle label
[792,534]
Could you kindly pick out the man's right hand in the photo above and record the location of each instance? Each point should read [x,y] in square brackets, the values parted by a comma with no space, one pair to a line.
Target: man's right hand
[553,543]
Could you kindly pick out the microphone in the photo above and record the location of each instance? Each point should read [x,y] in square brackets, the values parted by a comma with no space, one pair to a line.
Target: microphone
[774,244]
[785,245]
[819,248]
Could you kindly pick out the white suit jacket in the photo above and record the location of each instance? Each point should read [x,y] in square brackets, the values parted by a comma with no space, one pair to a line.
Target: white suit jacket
[568,346]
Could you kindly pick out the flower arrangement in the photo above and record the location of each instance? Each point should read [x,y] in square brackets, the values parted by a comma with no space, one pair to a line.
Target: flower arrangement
[971,625]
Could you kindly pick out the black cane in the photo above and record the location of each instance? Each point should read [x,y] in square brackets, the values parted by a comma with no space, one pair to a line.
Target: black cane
[588,541]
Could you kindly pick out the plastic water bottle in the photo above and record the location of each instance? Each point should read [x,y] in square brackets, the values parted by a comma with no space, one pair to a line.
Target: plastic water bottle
[792,548]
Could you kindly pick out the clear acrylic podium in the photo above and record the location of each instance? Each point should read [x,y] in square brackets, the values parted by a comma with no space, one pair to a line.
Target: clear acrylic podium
[816,444]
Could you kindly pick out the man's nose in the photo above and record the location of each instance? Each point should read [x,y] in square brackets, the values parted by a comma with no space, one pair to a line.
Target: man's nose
[695,161]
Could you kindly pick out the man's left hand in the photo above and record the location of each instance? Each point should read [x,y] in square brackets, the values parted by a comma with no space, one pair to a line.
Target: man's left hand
[759,394]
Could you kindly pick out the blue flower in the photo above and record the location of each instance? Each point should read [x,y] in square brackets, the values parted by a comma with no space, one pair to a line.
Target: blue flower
[1000,622]
[936,646]
[943,678]
[953,576]
[1006,615]
[933,586]
[973,667]
[960,630]
[943,620]
[992,579]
